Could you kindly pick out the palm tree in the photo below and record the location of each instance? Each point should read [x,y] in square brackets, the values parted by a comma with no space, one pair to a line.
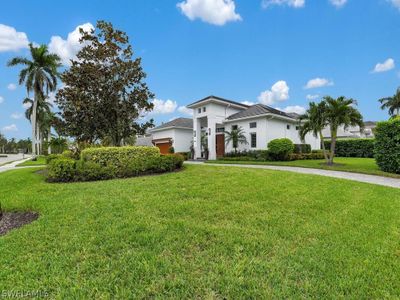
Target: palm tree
[236,136]
[392,103]
[340,112]
[39,74]
[314,121]
[44,119]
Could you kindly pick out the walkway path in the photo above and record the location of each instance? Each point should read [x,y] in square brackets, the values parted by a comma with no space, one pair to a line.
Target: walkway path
[13,165]
[373,179]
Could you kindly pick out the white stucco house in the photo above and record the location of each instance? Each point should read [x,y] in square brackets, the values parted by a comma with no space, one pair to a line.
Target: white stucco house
[353,131]
[214,115]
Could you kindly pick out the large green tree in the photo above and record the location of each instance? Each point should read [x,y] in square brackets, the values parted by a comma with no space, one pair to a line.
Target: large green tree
[314,121]
[39,74]
[340,112]
[392,103]
[105,95]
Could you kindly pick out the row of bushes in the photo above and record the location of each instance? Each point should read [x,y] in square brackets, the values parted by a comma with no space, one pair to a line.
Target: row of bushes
[111,162]
[294,156]
[387,145]
[353,147]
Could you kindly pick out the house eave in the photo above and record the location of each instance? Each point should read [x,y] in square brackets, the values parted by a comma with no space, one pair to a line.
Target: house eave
[169,127]
[209,100]
[262,116]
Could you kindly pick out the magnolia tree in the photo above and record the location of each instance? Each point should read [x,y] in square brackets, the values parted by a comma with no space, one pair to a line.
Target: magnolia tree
[105,94]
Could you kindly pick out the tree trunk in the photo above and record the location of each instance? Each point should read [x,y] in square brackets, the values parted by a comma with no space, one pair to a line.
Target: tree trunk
[33,121]
[323,147]
[333,146]
[48,141]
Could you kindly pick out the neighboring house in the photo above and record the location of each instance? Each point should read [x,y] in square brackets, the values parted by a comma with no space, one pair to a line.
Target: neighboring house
[214,115]
[177,133]
[353,131]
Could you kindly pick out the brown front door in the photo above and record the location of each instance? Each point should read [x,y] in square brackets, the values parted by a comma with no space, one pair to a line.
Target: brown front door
[220,145]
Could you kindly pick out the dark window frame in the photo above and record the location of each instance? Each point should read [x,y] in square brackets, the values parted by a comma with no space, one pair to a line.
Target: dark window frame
[253,139]
[253,124]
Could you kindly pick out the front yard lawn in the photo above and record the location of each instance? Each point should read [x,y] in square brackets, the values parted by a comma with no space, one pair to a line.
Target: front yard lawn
[346,164]
[40,160]
[205,232]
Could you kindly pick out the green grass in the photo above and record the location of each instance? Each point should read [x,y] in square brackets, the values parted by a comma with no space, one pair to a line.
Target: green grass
[346,164]
[206,232]
[41,160]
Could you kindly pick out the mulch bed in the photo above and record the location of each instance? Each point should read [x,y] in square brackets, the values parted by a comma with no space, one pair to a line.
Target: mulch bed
[11,220]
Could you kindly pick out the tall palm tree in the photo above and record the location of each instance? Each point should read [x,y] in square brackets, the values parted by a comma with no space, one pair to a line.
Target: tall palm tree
[44,119]
[341,112]
[392,103]
[236,136]
[39,74]
[314,121]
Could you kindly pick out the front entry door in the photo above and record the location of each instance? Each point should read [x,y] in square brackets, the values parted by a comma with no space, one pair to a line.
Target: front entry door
[220,145]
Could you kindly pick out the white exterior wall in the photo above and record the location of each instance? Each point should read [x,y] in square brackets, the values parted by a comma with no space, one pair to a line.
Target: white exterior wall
[268,129]
[181,138]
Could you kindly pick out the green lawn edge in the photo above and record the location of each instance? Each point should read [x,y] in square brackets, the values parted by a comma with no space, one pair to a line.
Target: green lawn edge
[351,165]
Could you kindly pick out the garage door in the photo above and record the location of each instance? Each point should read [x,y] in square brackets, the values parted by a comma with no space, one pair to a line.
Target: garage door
[164,147]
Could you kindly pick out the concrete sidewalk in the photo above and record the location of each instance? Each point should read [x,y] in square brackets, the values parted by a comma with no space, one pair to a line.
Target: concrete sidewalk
[13,165]
[373,179]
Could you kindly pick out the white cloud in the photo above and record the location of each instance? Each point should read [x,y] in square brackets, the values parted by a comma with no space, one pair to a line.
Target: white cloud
[338,3]
[279,92]
[1,99]
[67,49]
[294,109]
[249,103]
[291,3]
[26,105]
[395,3]
[312,97]
[16,116]
[216,12]
[12,40]
[12,87]
[163,107]
[186,111]
[385,66]
[318,82]
[11,127]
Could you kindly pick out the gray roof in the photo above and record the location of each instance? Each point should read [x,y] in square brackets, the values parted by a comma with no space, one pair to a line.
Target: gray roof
[259,109]
[220,99]
[178,122]
[144,141]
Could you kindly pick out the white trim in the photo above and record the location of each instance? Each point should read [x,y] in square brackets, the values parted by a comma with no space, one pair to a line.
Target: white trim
[260,116]
[169,127]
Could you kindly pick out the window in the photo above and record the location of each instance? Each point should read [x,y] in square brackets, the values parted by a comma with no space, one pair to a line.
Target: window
[234,127]
[204,109]
[253,140]
[194,133]
[221,129]
[253,125]
[199,110]
[288,127]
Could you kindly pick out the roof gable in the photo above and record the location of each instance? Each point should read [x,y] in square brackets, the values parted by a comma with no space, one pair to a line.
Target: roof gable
[176,123]
[257,110]
[217,99]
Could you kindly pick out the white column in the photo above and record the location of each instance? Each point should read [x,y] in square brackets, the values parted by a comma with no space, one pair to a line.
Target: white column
[211,138]
[197,138]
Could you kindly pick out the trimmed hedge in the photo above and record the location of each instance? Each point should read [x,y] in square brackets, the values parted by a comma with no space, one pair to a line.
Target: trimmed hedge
[106,163]
[302,148]
[261,155]
[280,149]
[119,157]
[305,156]
[353,147]
[387,145]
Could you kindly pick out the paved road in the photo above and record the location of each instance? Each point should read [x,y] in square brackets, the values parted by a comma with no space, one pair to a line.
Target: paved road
[10,158]
[373,179]
[12,165]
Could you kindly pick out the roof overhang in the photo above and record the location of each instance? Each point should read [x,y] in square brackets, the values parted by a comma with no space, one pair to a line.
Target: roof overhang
[169,127]
[218,101]
[263,116]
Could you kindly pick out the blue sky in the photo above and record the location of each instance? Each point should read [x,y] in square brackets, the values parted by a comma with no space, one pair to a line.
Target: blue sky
[279,52]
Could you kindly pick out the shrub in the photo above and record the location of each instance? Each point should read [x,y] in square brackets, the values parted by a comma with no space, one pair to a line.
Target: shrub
[280,149]
[186,155]
[119,157]
[353,147]
[302,148]
[171,150]
[51,157]
[61,170]
[260,155]
[387,145]
[305,156]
